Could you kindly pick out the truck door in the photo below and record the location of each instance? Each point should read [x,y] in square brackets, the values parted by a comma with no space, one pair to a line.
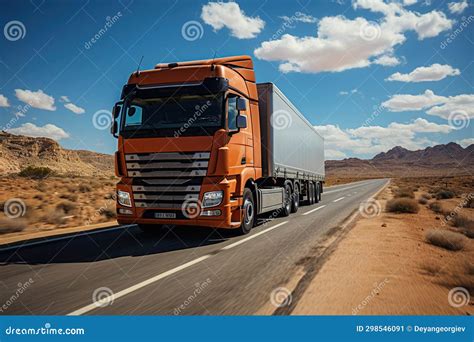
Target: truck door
[241,142]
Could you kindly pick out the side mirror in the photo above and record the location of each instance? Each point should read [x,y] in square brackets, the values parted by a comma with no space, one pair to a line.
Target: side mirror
[131,111]
[114,128]
[116,111]
[241,121]
[241,104]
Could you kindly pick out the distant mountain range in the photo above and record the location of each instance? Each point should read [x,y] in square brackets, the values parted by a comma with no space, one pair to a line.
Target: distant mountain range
[439,160]
[17,152]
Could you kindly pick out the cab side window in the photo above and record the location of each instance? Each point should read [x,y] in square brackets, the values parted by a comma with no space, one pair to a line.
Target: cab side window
[232,113]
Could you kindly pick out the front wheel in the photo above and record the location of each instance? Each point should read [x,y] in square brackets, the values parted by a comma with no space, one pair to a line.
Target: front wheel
[248,207]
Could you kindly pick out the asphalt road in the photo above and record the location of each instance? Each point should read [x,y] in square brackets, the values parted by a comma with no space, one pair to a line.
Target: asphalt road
[187,271]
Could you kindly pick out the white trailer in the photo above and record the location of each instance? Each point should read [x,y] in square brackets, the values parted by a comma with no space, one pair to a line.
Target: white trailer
[292,152]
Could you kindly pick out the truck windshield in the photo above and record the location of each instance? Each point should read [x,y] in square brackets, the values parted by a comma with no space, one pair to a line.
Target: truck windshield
[173,116]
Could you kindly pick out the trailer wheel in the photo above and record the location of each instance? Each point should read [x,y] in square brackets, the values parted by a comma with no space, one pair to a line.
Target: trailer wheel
[248,219]
[295,202]
[287,201]
[317,193]
[310,193]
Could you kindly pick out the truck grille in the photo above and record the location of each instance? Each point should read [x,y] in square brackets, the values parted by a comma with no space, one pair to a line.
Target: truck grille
[167,179]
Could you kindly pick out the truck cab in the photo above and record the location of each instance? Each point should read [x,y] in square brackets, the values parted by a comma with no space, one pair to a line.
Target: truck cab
[189,146]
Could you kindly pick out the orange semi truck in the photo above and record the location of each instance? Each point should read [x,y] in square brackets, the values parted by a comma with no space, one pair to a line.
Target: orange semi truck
[201,144]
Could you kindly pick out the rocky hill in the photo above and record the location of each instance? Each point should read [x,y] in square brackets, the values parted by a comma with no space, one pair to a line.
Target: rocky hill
[18,152]
[441,160]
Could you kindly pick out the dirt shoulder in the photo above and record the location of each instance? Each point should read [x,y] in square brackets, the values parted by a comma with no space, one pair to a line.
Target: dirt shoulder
[385,266]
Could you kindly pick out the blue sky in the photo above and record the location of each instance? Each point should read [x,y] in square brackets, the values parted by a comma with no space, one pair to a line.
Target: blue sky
[337,61]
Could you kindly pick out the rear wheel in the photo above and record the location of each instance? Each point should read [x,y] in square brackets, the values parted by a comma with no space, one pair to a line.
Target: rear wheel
[248,207]
[317,194]
[295,203]
[310,193]
[287,201]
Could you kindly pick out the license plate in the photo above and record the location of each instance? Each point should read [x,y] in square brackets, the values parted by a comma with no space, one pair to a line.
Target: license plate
[165,215]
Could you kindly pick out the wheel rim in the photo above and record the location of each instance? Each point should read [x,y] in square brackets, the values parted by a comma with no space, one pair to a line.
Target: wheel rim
[288,202]
[249,211]
[297,199]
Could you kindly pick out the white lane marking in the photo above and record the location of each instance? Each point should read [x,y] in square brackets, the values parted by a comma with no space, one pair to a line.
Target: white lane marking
[347,188]
[160,276]
[69,236]
[235,244]
[339,199]
[138,286]
[313,210]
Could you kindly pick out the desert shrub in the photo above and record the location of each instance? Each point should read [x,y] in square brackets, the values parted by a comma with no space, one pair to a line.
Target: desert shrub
[404,192]
[84,188]
[465,225]
[36,172]
[70,197]
[402,205]
[12,225]
[446,239]
[426,196]
[444,194]
[39,197]
[469,202]
[55,217]
[108,213]
[423,201]
[66,206]
[436,207]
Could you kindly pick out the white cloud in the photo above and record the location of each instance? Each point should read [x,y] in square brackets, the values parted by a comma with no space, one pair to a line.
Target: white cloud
[369,140]
[75,109]
[4,101]
[409,2]
[406,102]
[458,7]
[466,142]
[342,43]
[460,104]
[352,91]
[229,14]
[441,106]
[302,17]
[387,60]
[64,98]
[48,131]
[36,99]
[434,72]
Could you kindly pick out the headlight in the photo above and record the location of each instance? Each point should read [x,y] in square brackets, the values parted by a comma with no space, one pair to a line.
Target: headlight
[123,198]
[212,198]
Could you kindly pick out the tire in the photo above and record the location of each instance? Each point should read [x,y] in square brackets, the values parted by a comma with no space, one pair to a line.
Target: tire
[295,200]
[317,193]
[286,210]
[310,193]
[249,209]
